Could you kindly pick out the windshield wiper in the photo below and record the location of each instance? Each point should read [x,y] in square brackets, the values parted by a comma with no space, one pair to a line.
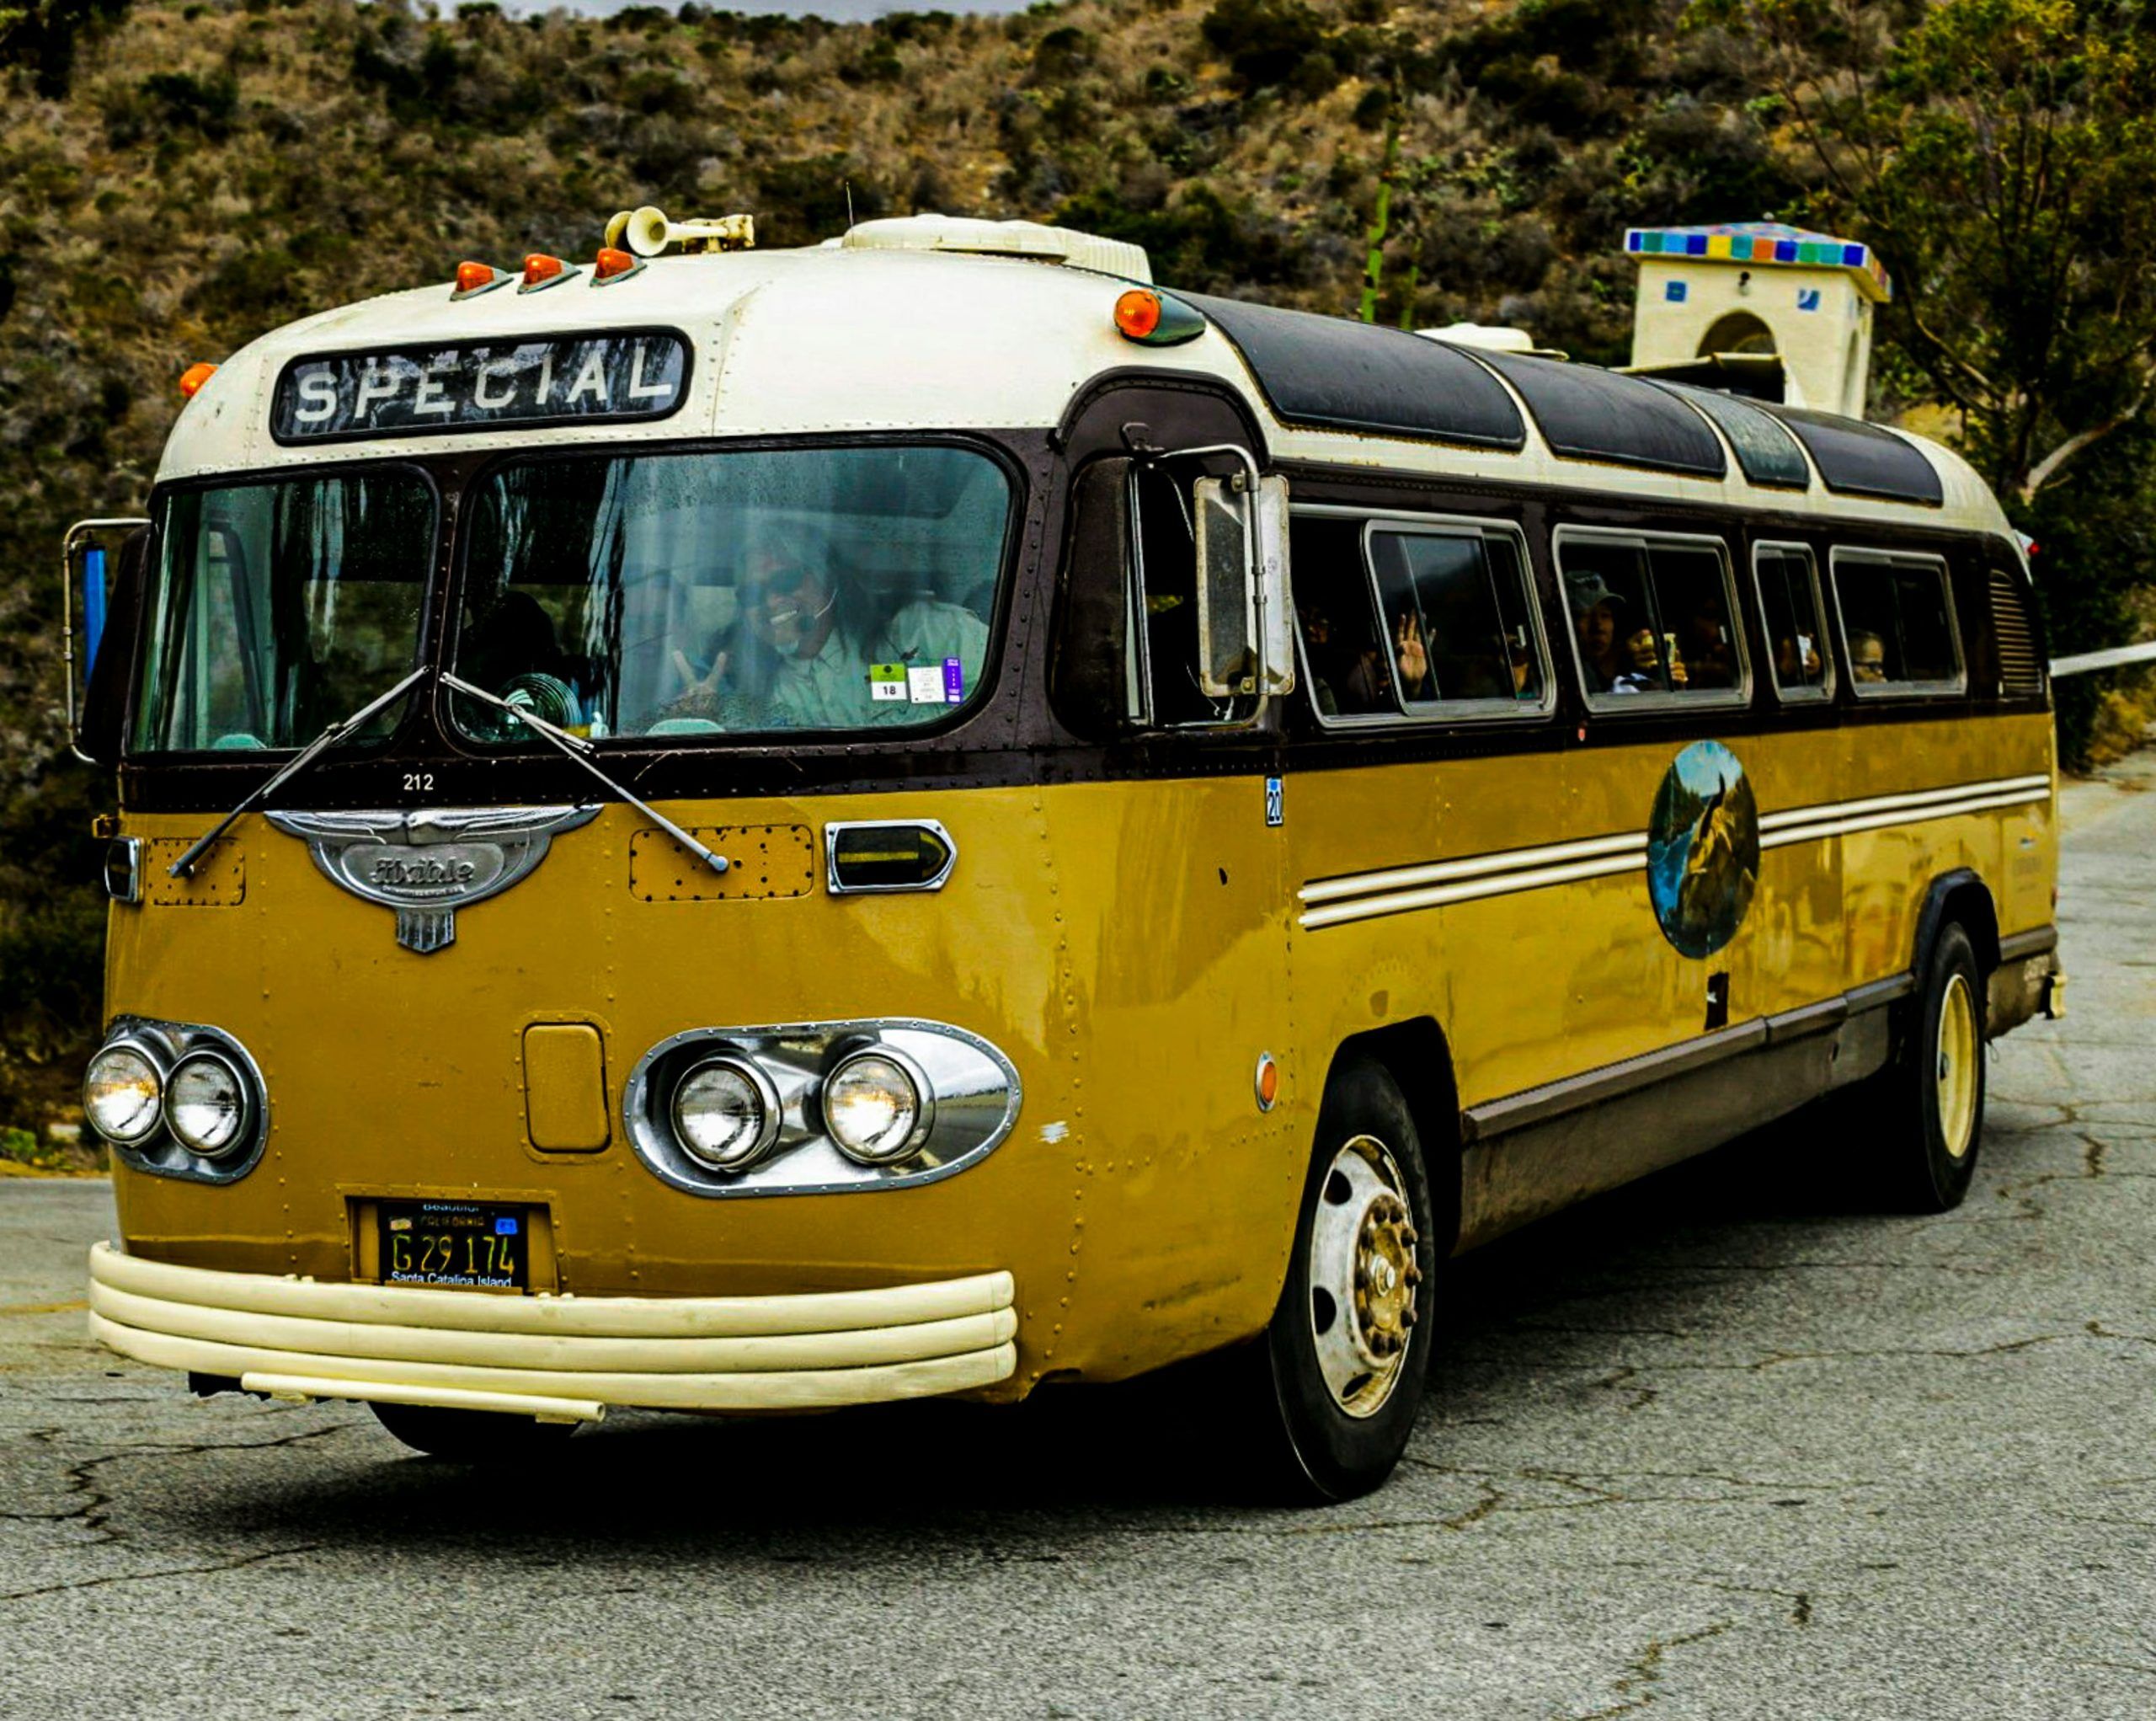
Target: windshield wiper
[577,748]
[183,867]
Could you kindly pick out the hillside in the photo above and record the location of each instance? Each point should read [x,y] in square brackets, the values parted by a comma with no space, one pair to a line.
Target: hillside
[175,179]
[210,170]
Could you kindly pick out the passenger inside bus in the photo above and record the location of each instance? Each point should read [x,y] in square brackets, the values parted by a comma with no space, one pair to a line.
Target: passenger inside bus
[1617,657]
[688,595]
[1707,647]
[813,629]
[1867,657]
[1899,629]
[1452,609]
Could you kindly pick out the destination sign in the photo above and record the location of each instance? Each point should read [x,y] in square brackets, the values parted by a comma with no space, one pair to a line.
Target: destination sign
[470,386]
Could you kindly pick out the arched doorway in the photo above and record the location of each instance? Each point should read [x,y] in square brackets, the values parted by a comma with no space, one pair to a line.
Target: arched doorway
[1737,332]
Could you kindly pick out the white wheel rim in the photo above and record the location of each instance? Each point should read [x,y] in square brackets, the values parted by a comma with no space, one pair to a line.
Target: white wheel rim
[1363,1282]
[1955,1066]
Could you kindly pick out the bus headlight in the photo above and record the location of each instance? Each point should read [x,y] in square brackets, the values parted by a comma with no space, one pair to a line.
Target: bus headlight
[206,1105]
[123,1094]
[817,1108]
[876,1106]
[726,1113]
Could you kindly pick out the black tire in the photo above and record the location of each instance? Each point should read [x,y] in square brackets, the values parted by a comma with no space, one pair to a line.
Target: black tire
[1312,1448]
[473,1436]
[1917,1125]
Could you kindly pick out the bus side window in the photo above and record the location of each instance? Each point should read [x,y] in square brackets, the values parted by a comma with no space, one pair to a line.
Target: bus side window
[1692,584]
[1616,629]
[1458,625]
[1897,623]
[1349,670]
[1652,616]
[1789,599]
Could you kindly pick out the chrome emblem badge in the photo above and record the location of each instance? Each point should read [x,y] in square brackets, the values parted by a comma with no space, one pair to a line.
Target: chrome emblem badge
[428,864]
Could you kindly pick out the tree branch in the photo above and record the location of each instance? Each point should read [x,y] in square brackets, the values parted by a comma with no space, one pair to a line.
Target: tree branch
[2045,469]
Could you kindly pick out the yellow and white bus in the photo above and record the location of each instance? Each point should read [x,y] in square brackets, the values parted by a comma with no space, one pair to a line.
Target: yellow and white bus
[747,830]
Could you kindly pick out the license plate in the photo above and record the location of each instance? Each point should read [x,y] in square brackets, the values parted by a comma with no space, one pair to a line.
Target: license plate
[456,1243]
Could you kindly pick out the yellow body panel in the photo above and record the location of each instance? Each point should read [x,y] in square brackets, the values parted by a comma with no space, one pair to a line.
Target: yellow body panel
[1132,947]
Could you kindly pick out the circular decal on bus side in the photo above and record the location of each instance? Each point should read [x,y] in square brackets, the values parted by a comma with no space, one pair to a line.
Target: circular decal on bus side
[1702,849]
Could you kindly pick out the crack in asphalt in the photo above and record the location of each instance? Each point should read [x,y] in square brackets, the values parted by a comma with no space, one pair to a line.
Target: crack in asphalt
[1636,1687]
[83,1485]
[236,1563]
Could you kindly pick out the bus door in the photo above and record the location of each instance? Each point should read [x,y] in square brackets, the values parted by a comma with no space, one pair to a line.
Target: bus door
[1168,881]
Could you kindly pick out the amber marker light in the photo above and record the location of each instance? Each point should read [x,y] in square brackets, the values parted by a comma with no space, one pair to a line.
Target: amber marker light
[476,278]
[541,271]
[611,264]
[1155,318]
[1138,314]
[192,378]
[1269,1082]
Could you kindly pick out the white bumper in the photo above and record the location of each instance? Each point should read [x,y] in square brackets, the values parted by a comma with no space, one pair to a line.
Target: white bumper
[562,1357]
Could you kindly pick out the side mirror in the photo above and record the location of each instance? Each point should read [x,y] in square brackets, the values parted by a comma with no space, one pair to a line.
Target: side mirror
[100,576]
[1246,632]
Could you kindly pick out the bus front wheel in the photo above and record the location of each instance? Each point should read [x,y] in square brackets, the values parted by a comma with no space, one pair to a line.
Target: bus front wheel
[1348,1348]
[472,1436]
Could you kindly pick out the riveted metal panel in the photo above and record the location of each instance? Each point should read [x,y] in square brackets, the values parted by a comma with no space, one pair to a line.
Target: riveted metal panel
[219,881]
[768,861]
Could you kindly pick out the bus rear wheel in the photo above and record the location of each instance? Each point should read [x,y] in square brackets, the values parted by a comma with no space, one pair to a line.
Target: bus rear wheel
[1920,1121]
[1348,1348]
[473,1436]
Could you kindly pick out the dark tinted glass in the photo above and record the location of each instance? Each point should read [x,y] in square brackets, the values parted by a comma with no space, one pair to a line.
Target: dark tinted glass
[1895,624]
[1767,451]
[1789,596]
[1863,460]
[1453,635]
[1594,414]
[1350,672]
[1329,371]
[1651,618]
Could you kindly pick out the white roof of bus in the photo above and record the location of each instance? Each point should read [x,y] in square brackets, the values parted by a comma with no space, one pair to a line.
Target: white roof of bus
[832,338]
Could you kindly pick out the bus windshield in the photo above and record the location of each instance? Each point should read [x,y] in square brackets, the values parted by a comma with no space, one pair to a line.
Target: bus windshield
[281,605]
[722,593]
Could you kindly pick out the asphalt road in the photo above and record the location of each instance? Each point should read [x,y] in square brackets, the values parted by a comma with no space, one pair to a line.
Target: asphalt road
[1721,1445]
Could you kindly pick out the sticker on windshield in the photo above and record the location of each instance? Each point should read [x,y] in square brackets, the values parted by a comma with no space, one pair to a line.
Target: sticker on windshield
[954,681]
[925,684]
[887,681]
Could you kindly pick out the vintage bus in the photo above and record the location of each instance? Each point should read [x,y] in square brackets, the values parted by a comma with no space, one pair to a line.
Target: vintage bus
[741,831]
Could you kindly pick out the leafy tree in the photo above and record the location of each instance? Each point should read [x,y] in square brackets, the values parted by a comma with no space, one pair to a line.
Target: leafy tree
[2002,155]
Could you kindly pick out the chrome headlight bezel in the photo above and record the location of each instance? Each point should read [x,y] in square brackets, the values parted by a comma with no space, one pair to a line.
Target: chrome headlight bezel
[163,1152]
[970,1094]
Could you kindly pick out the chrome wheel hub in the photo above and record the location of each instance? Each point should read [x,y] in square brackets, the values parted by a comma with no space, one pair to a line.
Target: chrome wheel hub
[1363,1279]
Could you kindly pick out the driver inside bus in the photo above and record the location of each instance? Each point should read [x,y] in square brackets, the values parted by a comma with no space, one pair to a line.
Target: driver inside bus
[821,627]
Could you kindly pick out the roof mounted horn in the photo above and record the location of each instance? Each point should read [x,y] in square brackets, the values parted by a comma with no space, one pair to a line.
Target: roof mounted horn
[647,232]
